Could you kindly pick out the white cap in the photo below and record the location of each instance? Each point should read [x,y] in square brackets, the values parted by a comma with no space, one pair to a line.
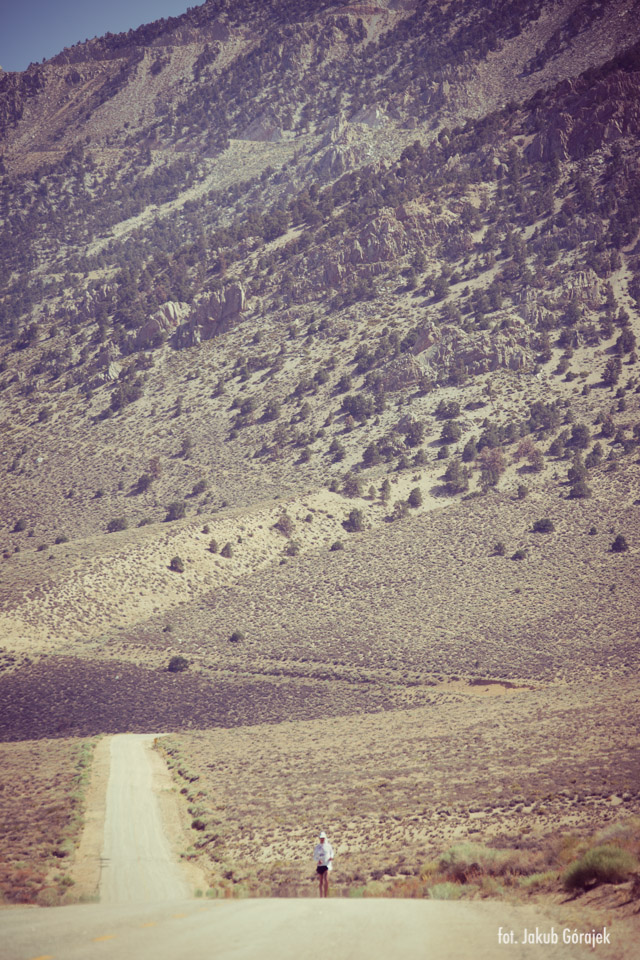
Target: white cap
[323,835]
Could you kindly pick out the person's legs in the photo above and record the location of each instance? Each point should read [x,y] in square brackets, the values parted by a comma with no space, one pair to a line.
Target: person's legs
[325,884]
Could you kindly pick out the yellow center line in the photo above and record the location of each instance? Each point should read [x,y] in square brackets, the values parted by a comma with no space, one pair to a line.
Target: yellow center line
[178,916]
[144,925]
[47,957]
[107,936]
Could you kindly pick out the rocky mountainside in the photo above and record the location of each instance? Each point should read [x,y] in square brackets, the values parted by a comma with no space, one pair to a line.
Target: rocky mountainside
[383,256]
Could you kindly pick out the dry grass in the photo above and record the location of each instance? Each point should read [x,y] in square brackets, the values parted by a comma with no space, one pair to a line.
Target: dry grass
[43,787]
[395,791]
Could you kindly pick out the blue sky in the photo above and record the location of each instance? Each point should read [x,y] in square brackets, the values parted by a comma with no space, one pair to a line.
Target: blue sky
[33,29]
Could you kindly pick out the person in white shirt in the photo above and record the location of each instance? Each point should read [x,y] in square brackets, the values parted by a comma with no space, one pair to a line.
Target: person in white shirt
[323,856]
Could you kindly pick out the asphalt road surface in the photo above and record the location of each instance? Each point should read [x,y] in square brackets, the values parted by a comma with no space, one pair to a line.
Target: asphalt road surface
[145,912]
[137,865]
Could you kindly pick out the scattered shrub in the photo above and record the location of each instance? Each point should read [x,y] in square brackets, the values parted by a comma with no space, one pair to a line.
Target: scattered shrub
[118,523]
[227,551]
[415,497]
[580,491]
[603,864]
[499,549]
[236,637]
[177,664]
[177,564]
[619,545]
[19,526]
[213,546]
[354,522]
[543,526]
[284,524]
[520,554]
[338,545]
[176,510]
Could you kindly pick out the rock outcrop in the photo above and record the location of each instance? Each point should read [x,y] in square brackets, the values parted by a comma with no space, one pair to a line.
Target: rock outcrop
[443,348]
[160,326]
[212,315]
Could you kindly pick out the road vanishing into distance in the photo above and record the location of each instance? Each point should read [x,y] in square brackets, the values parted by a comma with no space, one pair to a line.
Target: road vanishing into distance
[146,911]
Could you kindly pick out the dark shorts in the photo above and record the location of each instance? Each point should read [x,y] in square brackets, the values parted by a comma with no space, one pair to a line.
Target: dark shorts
[321,870]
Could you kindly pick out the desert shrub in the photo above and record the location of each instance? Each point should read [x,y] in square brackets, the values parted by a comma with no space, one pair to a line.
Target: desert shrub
[144,482]
[522,491]
[227,551]
[213,546]
[118,523]
[451,431]
[415,497]
[543,526]
[338,545]
[499,549]
[464,862]
[354,522]
[446,891]
[236,637]
[44,414]
[176,510]
[62,538]
[619,545]
[580,491]
[177,664]
[603,864]
[177,564]
[520,554]
[400,510]
[292,549]
[19,526]
[284,524]
[199,487]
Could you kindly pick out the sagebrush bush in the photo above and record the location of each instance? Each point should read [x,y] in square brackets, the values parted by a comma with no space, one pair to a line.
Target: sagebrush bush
[619,545]
[177,564]
[227,551]
[177,664]
[118,523]
[543,526]
[603,864]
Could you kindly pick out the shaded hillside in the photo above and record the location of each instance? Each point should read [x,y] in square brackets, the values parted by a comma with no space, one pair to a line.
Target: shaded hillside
[374,259]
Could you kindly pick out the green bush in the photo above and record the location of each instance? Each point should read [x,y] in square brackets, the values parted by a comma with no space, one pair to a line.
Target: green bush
[19,526]
[338,545]
[177,564]
[236,637]
[580,491]
[213,546]
[520,554]
[603,864]
[227,551]
[177,664]
[619,545]
[118,523]
[176,510]
[499,549]
[354,522]
[415,497]
[285,525]
[543,526]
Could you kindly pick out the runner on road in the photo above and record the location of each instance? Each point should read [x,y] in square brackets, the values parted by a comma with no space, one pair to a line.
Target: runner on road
[323,856]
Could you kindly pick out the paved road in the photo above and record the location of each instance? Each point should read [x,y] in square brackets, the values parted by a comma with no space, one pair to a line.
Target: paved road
[279,929]
[137,865]
[145,913]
